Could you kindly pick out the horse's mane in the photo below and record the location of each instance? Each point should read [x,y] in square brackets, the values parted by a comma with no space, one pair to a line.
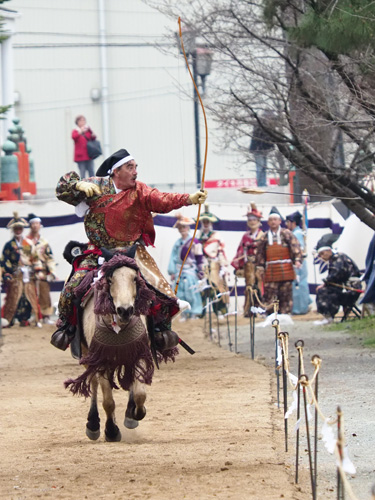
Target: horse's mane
[103,303]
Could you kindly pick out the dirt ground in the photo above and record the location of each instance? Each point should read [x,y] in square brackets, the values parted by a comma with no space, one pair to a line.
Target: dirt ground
[212,429]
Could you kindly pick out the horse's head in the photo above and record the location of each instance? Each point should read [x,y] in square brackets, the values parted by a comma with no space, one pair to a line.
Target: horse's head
[123,290]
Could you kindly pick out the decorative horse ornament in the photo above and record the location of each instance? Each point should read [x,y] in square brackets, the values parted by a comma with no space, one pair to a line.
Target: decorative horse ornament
[116,348]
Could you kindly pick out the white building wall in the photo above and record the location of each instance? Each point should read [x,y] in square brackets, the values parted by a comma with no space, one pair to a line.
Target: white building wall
[150,105]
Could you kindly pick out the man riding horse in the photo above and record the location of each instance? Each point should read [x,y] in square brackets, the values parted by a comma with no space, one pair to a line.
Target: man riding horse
[117,212]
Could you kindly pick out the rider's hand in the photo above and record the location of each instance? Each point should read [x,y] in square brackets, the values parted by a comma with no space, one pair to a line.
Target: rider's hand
[198,198]
[89,188]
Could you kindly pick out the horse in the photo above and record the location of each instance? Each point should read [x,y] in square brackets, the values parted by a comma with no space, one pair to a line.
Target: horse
[116,349]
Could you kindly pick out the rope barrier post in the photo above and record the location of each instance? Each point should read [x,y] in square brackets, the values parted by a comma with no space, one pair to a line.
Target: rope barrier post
[284,336]
[228,330]
[373,492]
[218,328]
[340,486]
[275,324]
[209,316]
[304,381]
[252,320]
[235,317]
[299,345]
[315,360]
[252,333]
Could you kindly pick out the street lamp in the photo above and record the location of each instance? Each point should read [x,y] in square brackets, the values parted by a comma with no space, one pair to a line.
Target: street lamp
[201,59]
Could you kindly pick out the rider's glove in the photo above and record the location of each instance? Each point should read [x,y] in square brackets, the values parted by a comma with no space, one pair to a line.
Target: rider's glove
[198,198]
[88,188]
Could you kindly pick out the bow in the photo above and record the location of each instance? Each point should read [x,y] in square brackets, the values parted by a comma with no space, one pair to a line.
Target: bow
[205,153]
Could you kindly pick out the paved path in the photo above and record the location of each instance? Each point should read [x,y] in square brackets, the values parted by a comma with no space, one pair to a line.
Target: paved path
[347,378]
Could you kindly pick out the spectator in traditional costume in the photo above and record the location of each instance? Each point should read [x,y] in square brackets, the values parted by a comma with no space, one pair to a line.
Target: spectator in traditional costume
[118,215]
[44,267]
[192,270]
[216,265]
[340,285]
[278,252]
[244,261]
[301,292]
[17,266]
[368,299]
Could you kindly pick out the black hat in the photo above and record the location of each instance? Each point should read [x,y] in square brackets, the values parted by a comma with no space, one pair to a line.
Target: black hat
[274,211]
[326,242]
[295,217]
[33,218]
[112,162]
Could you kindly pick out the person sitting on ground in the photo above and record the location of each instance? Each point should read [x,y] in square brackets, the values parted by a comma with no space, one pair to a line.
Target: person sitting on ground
[339,286]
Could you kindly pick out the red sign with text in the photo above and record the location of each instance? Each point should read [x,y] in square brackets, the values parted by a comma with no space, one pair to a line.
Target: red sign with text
[235,183]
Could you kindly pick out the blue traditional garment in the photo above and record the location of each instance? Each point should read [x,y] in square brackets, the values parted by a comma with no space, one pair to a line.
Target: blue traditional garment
[301,294]
[369,276]
[192,271]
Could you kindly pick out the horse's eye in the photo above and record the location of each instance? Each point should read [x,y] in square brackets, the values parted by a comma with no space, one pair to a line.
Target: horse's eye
[109,281]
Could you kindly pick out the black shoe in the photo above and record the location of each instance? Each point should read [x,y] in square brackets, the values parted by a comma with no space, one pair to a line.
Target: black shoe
[62,337]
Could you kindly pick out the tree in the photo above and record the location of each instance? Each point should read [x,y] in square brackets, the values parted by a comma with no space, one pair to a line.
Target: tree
[322,95]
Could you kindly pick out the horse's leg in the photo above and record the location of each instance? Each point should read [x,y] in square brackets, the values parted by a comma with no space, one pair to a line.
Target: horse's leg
[93,420]
[135,410]
[112,432]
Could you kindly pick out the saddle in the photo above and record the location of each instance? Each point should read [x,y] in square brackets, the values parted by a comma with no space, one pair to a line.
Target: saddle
[150,275]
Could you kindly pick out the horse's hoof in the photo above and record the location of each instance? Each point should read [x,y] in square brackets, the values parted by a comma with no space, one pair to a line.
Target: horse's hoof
[130,423]
[93,435]
[113,439]
[140,413]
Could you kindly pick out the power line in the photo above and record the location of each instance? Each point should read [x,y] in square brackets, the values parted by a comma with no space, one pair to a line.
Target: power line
[70,9]
[68,45]
[88,101]
[87,35]
[95,68]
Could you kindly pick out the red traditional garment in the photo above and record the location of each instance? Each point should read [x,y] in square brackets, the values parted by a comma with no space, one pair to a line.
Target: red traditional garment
[279,266]
[127,215]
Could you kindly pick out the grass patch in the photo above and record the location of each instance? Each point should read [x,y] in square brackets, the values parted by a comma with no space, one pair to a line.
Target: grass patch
[363,328]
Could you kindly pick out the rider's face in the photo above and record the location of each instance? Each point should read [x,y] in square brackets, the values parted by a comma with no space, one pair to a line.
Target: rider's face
[125,176]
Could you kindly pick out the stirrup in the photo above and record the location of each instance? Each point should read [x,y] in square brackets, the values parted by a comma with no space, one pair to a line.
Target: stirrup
[63,336]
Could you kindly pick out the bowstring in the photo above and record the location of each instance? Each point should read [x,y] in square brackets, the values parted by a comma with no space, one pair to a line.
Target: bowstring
[205,155]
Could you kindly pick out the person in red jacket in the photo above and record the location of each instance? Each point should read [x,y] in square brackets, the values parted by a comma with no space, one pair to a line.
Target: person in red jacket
[80,135]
